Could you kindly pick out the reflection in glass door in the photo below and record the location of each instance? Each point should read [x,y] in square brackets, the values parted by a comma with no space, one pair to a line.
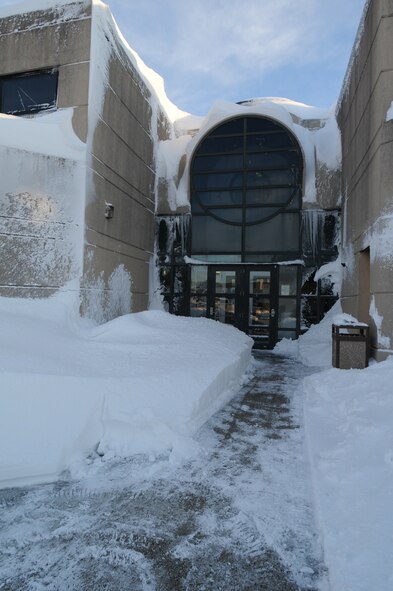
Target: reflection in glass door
[225,305]
[261,311]
[246,299]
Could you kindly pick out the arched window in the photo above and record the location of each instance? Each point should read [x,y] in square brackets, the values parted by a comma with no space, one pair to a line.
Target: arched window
[246,191]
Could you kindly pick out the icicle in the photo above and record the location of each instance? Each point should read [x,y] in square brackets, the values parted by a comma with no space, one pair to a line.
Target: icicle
[310,231]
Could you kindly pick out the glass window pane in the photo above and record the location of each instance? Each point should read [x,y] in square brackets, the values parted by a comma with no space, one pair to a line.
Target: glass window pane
[232,126]
[286,158]
[225,282]
[198,306]
[259,311]
[280,234]
[259,282]
[210,235]
[224,310]
[234,215]
[272,196]
[212,145]
[287,313]
[288,281]
[287,334]
[219,258]
[218,180]
[199,279]
[30,93]
[268,141]
[258,214]
[272,177]
[213,163]
[255,124]
[209,198]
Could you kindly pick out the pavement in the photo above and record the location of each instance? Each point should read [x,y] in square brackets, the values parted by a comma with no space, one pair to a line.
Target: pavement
[236,515]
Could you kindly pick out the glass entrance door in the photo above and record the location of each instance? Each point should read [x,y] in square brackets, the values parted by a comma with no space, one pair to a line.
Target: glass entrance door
[245,298]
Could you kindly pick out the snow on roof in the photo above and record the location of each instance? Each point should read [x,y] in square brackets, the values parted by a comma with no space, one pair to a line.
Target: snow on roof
[38,5]
[153,81]
[354,53]
[320,141]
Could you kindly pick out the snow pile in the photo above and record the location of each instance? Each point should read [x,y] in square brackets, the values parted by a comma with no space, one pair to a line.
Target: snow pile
[142,383]
[348,416]
[314,348]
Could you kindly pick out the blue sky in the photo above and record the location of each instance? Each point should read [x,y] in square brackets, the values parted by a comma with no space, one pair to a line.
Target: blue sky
[235,49]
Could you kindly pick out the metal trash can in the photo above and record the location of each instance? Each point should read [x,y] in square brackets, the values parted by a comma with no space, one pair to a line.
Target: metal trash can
[350,346]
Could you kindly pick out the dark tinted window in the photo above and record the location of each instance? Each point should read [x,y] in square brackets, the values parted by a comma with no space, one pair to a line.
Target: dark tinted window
[246,180]
[221,144]
[229,128]
[28,93]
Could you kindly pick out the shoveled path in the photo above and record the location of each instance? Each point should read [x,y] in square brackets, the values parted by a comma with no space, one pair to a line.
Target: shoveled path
[237,516]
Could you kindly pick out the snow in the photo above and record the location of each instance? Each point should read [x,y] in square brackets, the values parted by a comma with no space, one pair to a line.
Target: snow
[50,133]
[348,424]
[140,383]
[144,383]
[68,8]
[320,144]
[383,341]
[350,445]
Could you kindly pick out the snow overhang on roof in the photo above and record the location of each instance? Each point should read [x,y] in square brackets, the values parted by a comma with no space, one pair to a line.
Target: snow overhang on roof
[315,129]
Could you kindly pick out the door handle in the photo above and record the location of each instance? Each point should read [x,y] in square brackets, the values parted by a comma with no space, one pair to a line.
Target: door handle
[272,313]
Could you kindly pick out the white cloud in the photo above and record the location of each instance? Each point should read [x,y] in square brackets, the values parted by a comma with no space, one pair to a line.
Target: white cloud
[216,47]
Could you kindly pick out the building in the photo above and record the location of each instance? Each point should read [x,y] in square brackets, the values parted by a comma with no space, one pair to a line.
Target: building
[365,118]
[234,216]
[77,190]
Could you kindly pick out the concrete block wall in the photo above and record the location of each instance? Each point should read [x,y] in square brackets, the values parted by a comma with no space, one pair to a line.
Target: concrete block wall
[367,175]
[120,172]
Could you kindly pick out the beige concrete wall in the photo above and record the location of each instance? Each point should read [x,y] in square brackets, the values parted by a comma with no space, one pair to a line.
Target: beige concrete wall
[367,143]
[121,171]
[42,197]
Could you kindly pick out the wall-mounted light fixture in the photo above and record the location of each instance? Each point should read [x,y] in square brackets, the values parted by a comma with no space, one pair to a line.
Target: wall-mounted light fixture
[109,210]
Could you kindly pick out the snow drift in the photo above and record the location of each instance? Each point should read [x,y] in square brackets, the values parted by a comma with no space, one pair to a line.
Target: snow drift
[142,383]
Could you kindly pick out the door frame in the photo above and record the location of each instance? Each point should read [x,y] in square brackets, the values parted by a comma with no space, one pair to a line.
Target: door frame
[242,295]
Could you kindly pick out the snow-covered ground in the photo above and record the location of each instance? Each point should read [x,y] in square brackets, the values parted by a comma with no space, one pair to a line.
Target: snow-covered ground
[140,383]
[348,421]
[146,382]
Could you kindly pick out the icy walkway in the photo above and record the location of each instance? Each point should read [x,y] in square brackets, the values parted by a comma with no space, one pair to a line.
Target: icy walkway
[237,516]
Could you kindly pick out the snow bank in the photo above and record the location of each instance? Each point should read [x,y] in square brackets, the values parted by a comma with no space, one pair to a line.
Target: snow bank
[141,383]
[348,416]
